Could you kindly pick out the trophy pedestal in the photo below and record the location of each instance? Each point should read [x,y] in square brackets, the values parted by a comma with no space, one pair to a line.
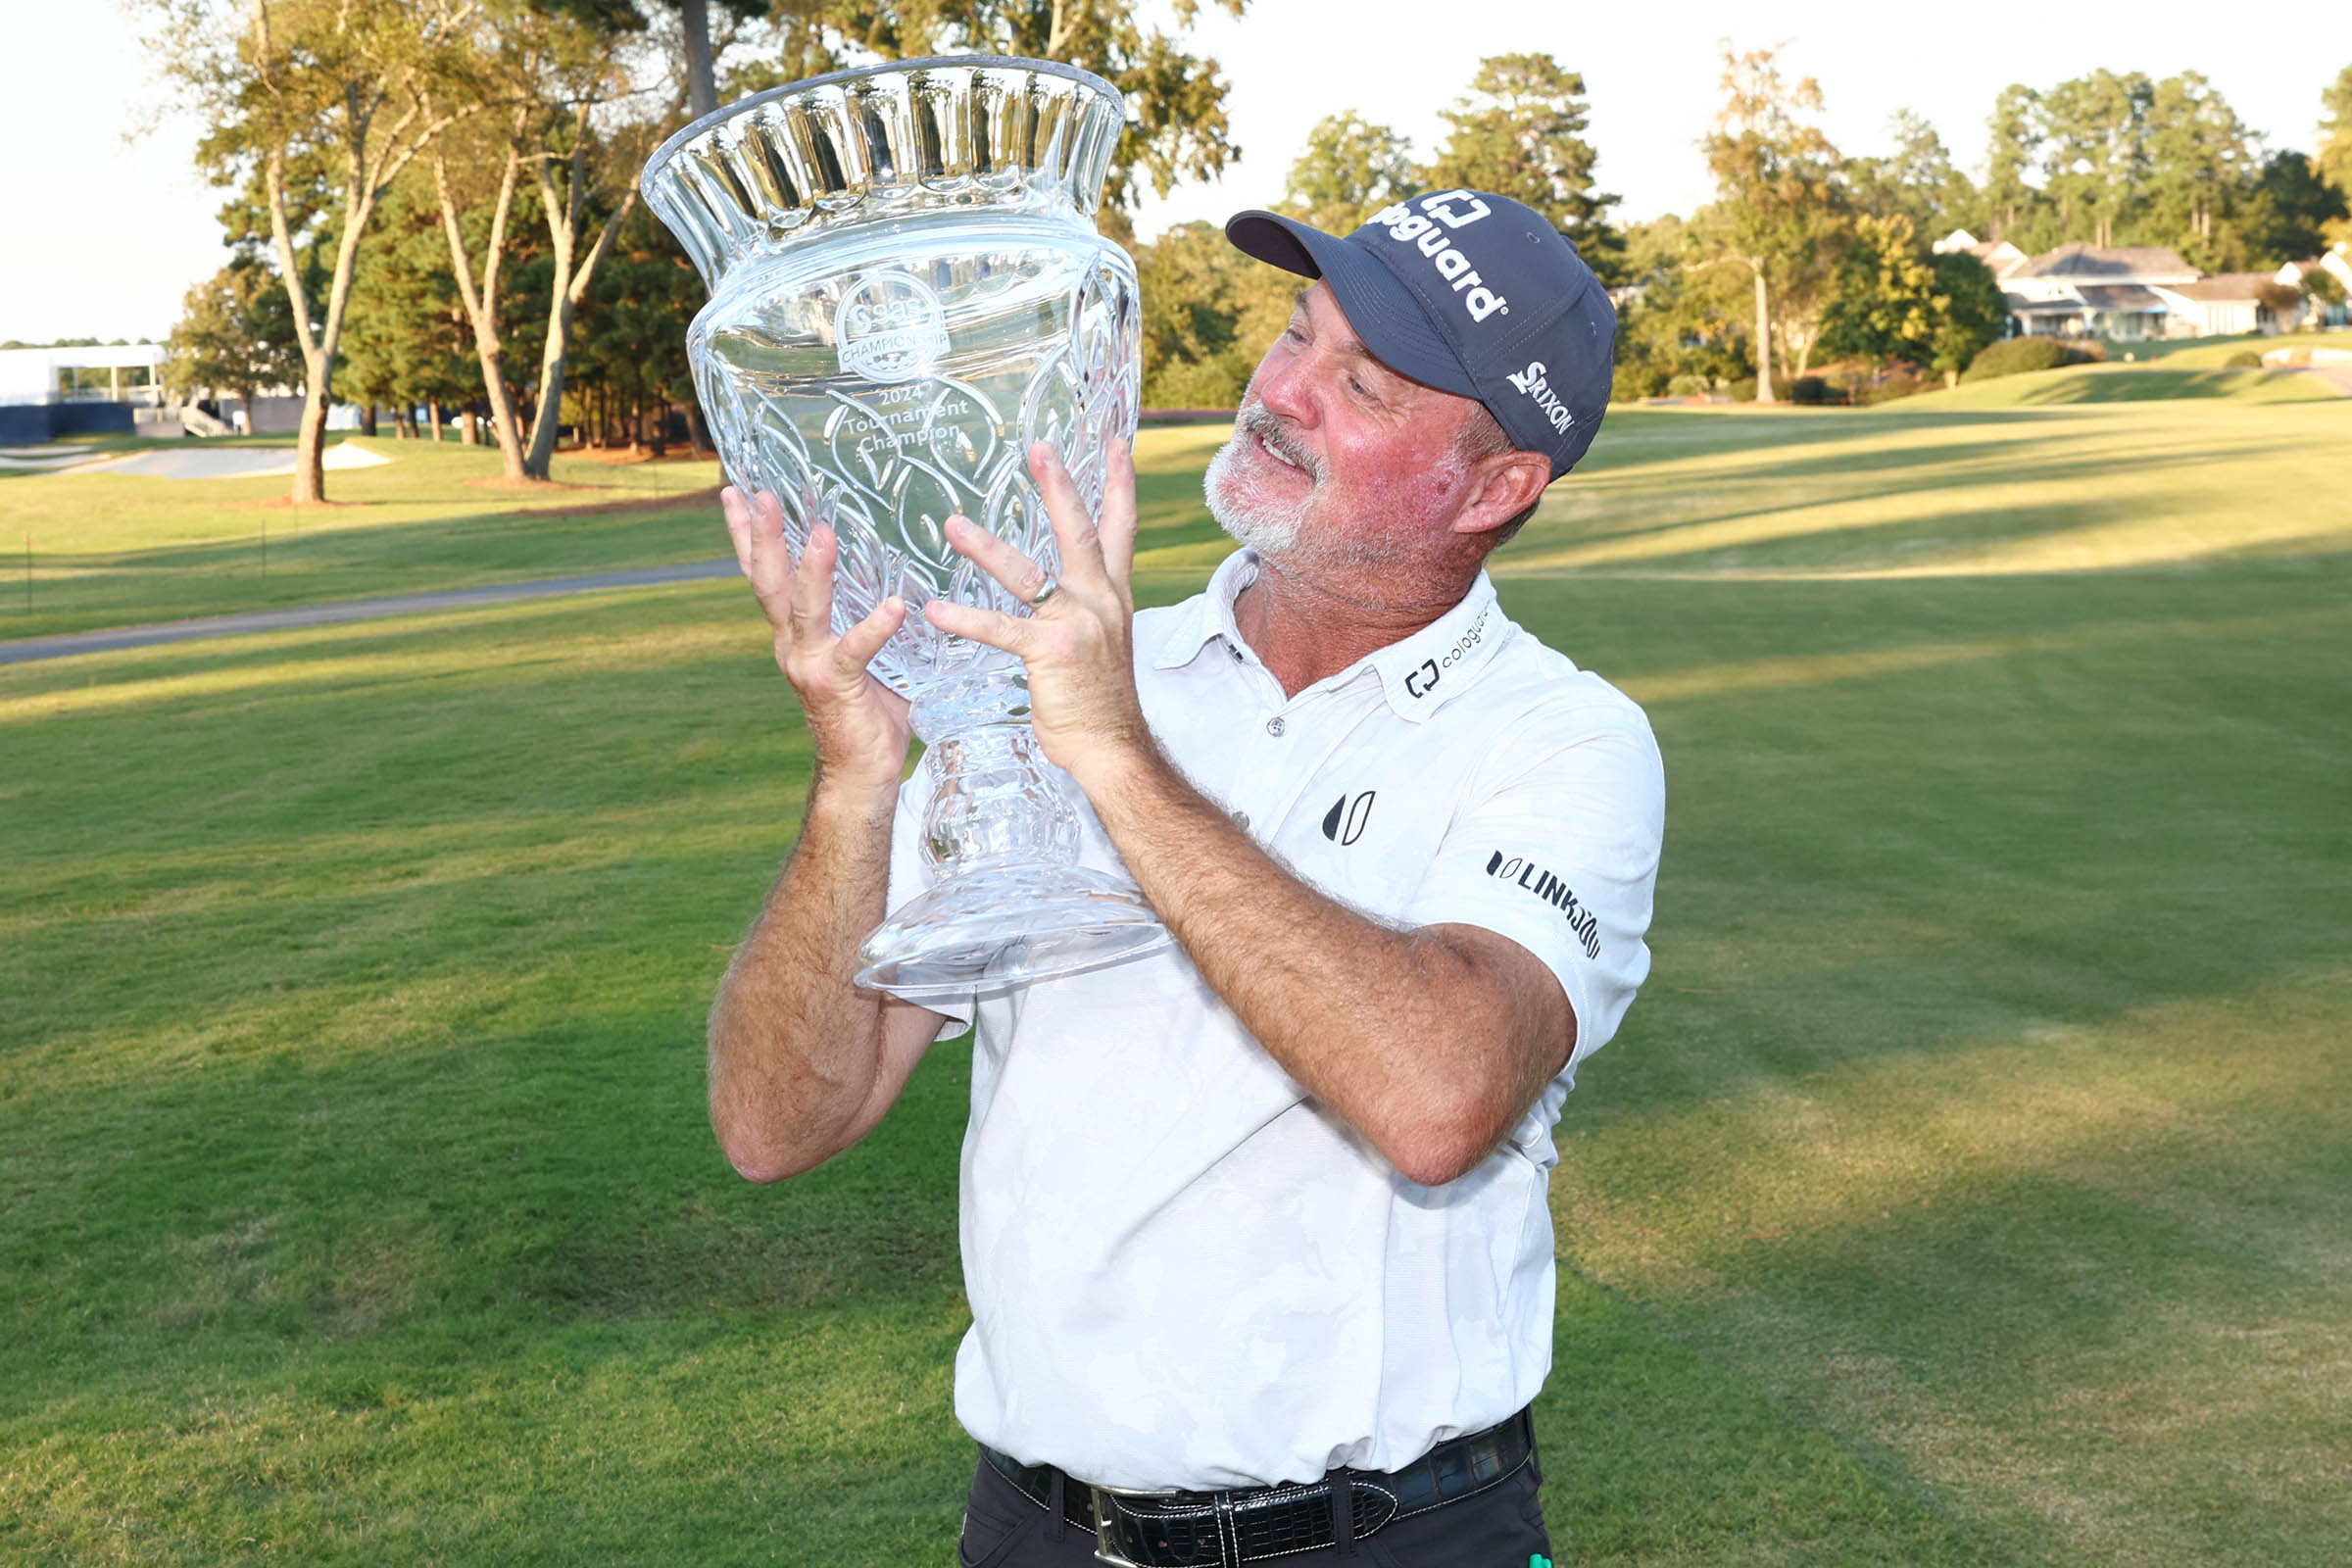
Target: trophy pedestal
[1009,901]
[991,928]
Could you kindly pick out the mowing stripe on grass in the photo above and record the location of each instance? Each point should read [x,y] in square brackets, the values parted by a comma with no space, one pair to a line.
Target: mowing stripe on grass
[181,631]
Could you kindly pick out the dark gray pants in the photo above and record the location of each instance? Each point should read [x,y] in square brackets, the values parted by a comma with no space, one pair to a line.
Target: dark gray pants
[1501,1527]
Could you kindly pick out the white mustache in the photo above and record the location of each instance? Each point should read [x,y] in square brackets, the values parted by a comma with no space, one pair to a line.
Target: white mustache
[1257,421]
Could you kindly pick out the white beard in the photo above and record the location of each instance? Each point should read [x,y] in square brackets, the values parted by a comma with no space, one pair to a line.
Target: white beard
[1268,525]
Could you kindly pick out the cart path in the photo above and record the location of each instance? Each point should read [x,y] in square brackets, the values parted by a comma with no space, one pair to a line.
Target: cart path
[68,644]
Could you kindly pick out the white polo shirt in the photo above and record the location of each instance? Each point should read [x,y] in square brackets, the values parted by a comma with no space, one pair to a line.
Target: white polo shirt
[1183,1271]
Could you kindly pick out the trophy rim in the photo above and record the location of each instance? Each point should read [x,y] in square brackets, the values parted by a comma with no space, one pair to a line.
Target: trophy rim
[676,142]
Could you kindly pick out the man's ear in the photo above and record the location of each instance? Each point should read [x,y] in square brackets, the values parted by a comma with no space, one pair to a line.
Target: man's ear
[1514,482]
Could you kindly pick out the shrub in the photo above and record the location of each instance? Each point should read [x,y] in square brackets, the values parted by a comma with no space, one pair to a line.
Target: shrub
[2243,360]
[1688,385]
[1809,389]
[2017,355]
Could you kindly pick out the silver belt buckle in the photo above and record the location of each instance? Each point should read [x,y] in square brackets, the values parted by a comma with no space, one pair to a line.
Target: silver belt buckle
[1106,1547]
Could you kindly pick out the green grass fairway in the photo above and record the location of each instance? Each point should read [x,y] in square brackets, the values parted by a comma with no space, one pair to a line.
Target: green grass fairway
[114,549]
[1971,1185]
[2211,353]
[2131,384]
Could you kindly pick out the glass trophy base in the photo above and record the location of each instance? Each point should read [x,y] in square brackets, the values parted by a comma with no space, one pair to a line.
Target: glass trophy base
[989,930]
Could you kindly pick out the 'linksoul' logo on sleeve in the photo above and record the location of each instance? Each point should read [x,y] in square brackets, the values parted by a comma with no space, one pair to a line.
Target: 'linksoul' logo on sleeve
[1552,890]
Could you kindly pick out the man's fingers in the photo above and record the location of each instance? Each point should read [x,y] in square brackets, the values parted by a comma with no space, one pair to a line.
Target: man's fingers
[1022,577]
[769,564]
[1074,530]
[861,642]
[812,588]
[1012,633]
[733,507]
[1119,521]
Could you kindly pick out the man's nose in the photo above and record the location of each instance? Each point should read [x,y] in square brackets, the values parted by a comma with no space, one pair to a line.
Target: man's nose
[1285,388]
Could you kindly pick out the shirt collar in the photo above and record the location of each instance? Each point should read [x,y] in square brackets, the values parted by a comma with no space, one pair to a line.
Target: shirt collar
[1417,674]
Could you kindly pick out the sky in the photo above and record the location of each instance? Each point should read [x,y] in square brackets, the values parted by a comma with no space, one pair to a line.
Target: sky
[103,235]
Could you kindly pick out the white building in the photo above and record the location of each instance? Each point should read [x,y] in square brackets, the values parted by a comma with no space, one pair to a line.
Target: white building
[2145,291]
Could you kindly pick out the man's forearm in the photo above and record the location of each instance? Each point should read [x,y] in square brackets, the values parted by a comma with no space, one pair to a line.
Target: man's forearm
[796,1047]
[1396,1031]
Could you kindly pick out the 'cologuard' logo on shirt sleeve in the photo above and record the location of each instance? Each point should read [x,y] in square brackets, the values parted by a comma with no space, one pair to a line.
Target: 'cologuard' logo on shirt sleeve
[1525,873]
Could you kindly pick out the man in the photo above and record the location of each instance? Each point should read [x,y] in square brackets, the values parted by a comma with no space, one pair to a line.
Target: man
[1255,1229]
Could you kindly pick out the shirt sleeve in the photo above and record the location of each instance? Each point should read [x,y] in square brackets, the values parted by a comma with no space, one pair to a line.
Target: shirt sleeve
[910,879]
[1555,847]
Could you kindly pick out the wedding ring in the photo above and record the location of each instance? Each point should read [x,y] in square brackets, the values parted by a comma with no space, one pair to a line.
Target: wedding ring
[1052,586]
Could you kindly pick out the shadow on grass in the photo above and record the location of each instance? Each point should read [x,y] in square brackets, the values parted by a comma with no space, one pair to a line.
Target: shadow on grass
[360,1033]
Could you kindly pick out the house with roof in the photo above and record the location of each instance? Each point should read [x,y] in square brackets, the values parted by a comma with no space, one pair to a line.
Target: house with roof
[2137,292]
[2086,290]
[1998,255]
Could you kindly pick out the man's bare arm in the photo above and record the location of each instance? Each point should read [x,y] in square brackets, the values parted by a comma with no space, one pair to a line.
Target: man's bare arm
[804,1063]
[1431,1043]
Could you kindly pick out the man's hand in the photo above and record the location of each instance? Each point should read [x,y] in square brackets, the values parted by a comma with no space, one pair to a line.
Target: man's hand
[1077,644]
[859,724]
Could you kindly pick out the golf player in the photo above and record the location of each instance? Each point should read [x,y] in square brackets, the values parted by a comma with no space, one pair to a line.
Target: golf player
[1255,1227]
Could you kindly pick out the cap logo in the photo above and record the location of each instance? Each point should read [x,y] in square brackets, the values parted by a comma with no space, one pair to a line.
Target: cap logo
[1421,232]
[1533,384]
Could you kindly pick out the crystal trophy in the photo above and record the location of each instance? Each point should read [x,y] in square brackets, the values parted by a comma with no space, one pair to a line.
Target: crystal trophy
[907,291]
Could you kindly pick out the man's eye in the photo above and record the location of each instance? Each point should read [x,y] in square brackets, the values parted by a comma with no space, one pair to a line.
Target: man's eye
[1359,388]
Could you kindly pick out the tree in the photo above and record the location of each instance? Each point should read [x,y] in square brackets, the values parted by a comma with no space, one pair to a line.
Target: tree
[1918,180]
[2333,160]
[1348,169]
[2200,173]
[407,340]
[1781,214]
[1520,131]
[1676,319]
[312,90]
[2009,200]
[235,334]
[2292,210]
[2334,157]
[632,348]
[1176,127]
[1209,313]
[546,70]
[1885,304]
[2282,299]
[2094,153]
[1976,314]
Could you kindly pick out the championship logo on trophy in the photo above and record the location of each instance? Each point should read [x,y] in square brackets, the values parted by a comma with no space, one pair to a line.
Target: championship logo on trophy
[907,291]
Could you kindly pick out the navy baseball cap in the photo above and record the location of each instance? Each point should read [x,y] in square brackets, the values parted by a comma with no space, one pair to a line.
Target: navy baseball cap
[1471,293]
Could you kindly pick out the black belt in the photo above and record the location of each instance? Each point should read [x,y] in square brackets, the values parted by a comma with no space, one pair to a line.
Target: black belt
[1225,1529]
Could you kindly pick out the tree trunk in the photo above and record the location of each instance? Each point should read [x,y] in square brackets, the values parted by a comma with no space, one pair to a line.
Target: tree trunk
[310,446]
[570,285]
[702,86]
[433,411]
[698,432]
[481,303]
[368,418]
[1764,392]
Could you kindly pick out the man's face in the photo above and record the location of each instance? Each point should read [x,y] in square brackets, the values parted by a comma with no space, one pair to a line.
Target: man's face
[1335,460]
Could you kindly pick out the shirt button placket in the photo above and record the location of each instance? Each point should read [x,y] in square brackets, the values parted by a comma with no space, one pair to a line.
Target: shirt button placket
[1275,726]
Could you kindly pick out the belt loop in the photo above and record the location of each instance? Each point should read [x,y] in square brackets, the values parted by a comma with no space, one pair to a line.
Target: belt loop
[1342,1513]
[1056,1516]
